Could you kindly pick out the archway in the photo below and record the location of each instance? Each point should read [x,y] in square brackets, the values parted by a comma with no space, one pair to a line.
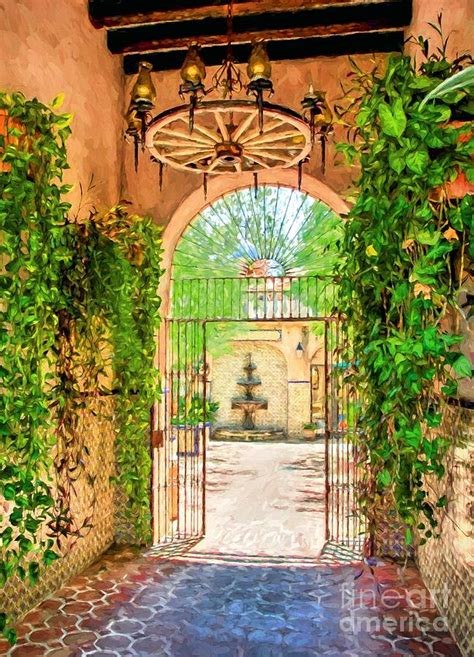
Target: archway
[255,262]
[190,207]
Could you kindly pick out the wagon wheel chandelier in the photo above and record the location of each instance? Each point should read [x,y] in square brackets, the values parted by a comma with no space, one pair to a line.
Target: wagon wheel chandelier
[226,135]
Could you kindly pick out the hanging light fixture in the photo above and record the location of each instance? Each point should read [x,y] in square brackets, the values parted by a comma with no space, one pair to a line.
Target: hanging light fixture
[259,70]
[319,116]
[193,73]
[143,96]
[228,134]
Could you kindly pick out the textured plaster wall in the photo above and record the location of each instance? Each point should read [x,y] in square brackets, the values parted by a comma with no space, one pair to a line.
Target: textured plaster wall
[458,23]
[447,564]
[48,47]
[95,502]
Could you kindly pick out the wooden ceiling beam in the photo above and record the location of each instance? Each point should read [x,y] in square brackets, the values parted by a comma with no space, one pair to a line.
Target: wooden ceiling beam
[123,13]
[335,20]
[177,44]
[289,49]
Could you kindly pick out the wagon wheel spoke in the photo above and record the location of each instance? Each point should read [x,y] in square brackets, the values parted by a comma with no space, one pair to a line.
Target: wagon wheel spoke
[222,126]
[268,147]
[187,137]
[213,165]
[197,158]
[257,160]
[169,143]
[186,152]
[266,139]
[268,156]
[270,125]
[243,127]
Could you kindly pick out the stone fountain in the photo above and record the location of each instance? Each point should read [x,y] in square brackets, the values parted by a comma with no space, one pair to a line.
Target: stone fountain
[249,403]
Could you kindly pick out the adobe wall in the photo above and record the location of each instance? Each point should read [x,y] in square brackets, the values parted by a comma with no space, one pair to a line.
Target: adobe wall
[48,48]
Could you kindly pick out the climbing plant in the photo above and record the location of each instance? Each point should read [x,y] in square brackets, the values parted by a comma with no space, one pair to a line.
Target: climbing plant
[32,247]
[78,317]
[406,243]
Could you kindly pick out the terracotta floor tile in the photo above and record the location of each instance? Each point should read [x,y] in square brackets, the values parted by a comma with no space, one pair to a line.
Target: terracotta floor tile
[134,604]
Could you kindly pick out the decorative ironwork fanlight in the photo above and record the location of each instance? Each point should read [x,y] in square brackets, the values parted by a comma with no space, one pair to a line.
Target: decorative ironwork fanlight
[226,135]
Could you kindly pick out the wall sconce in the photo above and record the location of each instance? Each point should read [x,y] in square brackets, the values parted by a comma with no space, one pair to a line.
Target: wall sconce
[299,350]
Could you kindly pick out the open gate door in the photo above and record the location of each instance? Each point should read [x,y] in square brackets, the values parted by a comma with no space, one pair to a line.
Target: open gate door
[180,455]
[344,526]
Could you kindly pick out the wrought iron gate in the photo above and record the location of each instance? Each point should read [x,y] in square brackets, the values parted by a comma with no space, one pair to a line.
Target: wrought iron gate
[179,488]
[344,525]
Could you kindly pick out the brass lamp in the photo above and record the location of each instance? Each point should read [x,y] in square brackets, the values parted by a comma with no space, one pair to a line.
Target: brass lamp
[142,101]
[143,91]
[259,66]
[259,70]
[134,122]
[193,72]
[316,111]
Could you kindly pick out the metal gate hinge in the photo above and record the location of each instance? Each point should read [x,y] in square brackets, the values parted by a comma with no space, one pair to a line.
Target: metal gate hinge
[157,438]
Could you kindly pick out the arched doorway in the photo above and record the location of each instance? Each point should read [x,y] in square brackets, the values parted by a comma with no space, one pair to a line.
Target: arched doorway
[262,256]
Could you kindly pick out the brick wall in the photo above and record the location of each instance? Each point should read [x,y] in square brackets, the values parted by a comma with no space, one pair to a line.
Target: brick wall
[446,564]
[17,597]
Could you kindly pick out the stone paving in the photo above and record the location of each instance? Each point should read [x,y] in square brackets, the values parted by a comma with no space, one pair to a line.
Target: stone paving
[264,499]
[130,604]
[255,587]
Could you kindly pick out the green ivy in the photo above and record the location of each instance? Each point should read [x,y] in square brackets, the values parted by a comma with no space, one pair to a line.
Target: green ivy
[79,312]
[127,272]
[32,222]
[406,247]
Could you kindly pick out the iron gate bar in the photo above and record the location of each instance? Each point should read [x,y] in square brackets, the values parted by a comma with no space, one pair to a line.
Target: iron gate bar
[264,297]
[197,302]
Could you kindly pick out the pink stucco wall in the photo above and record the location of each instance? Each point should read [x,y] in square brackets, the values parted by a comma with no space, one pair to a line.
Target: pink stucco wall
[48,47]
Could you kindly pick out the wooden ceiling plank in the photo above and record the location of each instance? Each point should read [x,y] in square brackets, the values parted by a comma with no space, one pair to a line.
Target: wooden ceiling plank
[286,50]
[181,44]
[363,17]
[110,13]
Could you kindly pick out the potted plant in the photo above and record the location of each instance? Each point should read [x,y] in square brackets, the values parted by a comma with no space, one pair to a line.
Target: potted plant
[309,430]
[191,419]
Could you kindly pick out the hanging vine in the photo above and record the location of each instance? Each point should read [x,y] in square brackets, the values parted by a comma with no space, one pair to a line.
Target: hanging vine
[407,244]
[78,318]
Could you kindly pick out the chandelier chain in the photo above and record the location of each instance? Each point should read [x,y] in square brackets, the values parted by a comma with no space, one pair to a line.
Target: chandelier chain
[230,26]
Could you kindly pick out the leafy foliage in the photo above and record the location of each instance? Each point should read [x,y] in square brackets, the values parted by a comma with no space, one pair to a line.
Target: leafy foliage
[78,316]
[406,243]
[247,235]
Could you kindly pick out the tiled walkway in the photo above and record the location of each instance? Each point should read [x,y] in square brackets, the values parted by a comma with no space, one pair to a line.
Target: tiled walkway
[253,588]
[137,605]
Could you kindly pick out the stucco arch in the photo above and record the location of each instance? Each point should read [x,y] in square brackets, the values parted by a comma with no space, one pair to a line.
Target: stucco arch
[217,187]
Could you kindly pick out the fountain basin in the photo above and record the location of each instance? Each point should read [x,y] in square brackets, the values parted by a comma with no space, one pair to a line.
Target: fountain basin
[249,435]
[245,402]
